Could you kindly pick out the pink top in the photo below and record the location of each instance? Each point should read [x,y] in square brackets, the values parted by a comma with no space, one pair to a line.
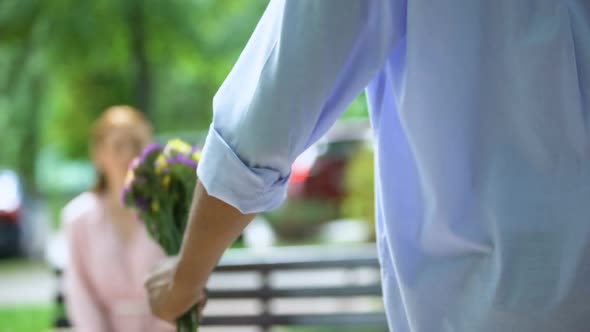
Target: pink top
[104,279]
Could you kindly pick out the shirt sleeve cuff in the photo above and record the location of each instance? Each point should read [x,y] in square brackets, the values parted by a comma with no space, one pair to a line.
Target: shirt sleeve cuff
[226,177]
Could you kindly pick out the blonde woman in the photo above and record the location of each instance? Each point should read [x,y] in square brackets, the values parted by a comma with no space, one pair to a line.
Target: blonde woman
[110,251]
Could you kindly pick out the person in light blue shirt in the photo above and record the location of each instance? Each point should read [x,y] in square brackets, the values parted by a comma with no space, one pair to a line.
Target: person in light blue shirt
[480,112]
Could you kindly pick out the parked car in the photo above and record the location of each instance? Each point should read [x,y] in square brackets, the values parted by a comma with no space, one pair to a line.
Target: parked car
[24,219]
[317,186]
[11,213]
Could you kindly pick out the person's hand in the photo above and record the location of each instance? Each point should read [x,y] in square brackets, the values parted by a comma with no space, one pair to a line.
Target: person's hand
[170,300]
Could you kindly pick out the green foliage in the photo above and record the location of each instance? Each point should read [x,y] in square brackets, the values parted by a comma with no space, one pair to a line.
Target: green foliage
[187,49]
[87,55]
[63,62]
[26,319]
[359,203]
[358,109]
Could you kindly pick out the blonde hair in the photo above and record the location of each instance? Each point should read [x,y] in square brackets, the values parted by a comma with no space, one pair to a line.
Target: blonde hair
[115,117]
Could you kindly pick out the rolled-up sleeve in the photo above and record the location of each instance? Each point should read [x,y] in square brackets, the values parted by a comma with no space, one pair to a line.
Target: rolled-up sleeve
[306,61]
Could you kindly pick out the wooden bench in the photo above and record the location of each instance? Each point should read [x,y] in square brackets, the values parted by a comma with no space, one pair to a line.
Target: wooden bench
[339,287]
[358,267]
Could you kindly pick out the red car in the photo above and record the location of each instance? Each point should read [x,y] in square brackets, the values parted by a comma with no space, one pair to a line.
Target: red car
[317,187]
[11,201]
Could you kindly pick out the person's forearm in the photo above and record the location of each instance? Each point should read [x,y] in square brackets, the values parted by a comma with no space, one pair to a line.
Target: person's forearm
[212,227]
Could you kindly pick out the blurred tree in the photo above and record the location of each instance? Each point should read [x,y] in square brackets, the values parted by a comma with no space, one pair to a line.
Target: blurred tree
[135,13]
[21,120]
[62,62]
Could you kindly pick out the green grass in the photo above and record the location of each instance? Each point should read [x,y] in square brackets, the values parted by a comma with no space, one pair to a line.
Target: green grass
[26,318]
[20,265]
[39,319]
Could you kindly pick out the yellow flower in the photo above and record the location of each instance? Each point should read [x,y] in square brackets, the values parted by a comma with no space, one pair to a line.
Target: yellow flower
[155,206]
[129,178]
[161,164]
[196,156]
[166,182]
[177,146]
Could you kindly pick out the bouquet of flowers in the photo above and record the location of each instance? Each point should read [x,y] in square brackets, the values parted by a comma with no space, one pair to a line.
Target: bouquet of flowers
[159,186]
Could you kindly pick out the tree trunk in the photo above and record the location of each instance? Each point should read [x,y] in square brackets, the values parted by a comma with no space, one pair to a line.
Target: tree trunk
[143,82]
[27,160]
[16,67]
[27,118]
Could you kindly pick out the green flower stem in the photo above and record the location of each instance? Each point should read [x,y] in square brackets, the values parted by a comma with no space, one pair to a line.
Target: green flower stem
[188,322]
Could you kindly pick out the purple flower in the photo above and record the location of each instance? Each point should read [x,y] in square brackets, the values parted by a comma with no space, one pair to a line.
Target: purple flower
[149,150]
[195,149]
[124,194]
[142,203]
[180,159]
[134,163]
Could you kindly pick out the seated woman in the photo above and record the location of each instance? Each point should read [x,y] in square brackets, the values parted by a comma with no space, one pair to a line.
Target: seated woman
[110,250]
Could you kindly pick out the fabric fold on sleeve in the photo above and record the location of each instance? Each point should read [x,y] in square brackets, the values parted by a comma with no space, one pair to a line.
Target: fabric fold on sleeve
[226,177]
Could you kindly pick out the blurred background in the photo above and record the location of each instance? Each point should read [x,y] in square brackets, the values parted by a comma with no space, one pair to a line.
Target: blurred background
[63,62]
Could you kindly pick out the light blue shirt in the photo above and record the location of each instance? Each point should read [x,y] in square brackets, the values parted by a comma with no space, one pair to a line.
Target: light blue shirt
[481,119]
